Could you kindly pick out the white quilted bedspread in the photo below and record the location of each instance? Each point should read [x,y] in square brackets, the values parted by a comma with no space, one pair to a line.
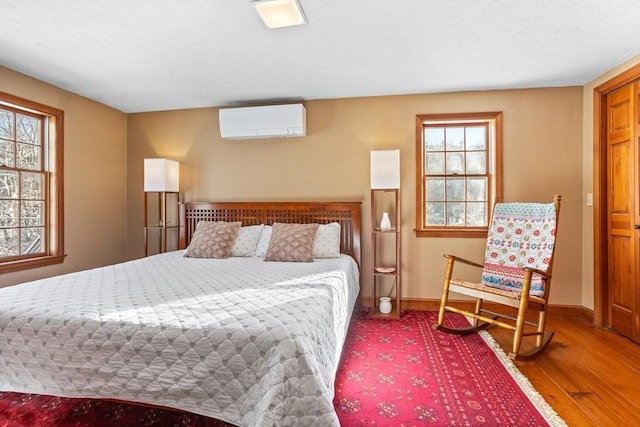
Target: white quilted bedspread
[250,342]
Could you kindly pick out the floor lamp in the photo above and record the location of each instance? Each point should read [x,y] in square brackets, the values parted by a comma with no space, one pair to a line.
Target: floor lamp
[161,176]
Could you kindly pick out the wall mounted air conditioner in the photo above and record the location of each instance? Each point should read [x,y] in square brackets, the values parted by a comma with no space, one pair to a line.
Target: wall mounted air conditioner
[270,121]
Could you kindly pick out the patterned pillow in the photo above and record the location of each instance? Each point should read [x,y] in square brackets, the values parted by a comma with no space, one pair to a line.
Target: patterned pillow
[247,240]
[263,243]
[213,239]
[291,242]
[327,241]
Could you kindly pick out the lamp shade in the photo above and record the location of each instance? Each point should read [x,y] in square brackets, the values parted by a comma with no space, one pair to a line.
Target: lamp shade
[385,169]
[161,175]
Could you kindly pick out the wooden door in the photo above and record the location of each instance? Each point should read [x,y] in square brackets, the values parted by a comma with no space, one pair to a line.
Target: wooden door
[623,210]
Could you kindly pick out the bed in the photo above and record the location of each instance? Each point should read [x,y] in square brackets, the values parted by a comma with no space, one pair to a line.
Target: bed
[241,339]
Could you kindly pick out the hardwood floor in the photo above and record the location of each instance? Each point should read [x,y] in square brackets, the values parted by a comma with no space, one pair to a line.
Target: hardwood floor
[589,375]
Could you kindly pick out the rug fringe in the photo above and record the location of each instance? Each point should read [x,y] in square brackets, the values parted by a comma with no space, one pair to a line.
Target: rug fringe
[541,405]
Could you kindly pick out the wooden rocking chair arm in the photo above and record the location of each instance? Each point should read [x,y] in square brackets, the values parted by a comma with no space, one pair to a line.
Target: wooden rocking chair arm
[536,271]
[464,261]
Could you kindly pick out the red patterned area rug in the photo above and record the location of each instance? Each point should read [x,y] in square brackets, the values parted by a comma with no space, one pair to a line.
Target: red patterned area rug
[393,373]
[404,373]
[33,410]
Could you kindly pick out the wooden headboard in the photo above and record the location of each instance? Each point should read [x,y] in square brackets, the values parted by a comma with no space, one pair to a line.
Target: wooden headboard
[255,213]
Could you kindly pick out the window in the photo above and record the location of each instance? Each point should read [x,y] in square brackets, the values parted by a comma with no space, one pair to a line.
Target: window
[31,232]
[459,173]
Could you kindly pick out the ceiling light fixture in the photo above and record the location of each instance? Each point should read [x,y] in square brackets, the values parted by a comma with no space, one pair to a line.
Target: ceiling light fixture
[280,13]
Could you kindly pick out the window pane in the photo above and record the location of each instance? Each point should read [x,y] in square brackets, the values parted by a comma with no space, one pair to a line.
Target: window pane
[476,138]
[476,163]
[28,129]
[8,184]
[455,189]
[32,185]
[31,240]
[476,214]
[8,213]
[434,139]
[435,164]
[9,242]
[32,213]
[435,213]
[28,157]
[435,189]
[455,163]
[455,213]
[6,124]
[477,189]
[455,138]
[6,152]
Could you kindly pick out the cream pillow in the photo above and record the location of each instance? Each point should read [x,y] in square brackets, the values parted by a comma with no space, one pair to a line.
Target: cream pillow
[247,240]
[291,242]
[327,241]
[263,242]
[213,239]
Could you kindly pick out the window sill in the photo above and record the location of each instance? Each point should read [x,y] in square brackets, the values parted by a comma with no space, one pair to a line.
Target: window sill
[25,264]
[448,232]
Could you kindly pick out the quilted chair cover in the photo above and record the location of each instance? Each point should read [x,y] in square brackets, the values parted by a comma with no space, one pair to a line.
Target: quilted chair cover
[521,235]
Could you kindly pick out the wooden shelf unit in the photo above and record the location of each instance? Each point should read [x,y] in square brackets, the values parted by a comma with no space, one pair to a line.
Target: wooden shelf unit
[161,218]
[385,251]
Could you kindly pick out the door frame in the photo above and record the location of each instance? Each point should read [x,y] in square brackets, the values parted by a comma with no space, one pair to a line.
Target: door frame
[600,248]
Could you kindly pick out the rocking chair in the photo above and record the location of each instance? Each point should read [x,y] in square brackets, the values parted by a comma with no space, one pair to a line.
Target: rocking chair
[516,273]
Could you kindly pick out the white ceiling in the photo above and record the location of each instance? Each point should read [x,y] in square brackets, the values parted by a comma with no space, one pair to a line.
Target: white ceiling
[149,55]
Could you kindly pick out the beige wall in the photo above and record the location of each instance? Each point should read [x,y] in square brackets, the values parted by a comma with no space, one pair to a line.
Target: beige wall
[543,146]
[95,177]
[549,128]
[587,180]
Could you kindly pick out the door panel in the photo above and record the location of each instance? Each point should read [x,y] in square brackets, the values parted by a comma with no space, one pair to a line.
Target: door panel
[622,293]
[621,166]
[635,178]
[621,212]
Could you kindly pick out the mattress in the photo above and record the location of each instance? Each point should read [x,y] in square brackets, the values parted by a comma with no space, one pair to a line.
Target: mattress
[249,342]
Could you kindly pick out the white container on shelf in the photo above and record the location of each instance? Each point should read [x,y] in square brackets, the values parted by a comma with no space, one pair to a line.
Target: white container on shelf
[385,305]
[385,224]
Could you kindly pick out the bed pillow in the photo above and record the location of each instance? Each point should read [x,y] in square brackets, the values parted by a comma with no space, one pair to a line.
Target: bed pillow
[291,242]
[213,239]
[327,241]
[246,241]
[263,242]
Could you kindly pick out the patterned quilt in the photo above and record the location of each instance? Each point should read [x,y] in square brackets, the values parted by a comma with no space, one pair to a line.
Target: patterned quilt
[250,342]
